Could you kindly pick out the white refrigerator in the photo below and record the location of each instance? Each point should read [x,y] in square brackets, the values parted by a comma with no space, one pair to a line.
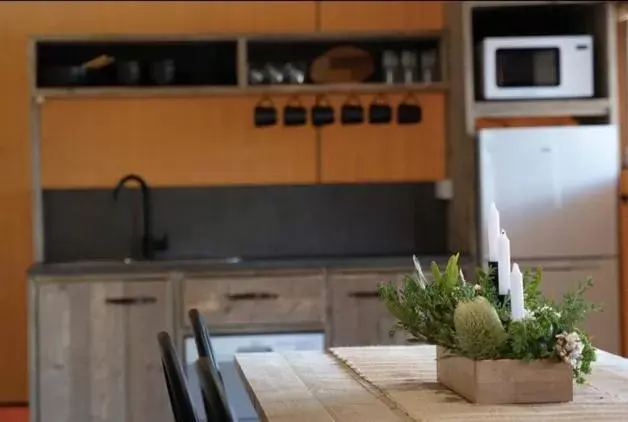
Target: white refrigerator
[556,192]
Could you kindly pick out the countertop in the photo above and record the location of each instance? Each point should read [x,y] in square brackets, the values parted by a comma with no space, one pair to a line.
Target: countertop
[218,264]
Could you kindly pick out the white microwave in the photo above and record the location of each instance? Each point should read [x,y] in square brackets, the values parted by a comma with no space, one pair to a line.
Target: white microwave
[524,68]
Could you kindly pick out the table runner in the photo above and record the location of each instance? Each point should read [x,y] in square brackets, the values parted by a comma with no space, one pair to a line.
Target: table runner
[406,376]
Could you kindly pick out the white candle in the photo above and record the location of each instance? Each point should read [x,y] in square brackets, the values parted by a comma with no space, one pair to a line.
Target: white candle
[503,263]
[493,233]
[517,306]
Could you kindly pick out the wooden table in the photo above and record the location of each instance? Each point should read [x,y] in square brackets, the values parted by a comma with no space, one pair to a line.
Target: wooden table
[398,383]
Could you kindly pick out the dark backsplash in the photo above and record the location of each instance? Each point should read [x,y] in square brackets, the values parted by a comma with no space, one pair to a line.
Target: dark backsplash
[250,222]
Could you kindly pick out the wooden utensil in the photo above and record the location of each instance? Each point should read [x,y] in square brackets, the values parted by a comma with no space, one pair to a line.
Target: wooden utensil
[342,64]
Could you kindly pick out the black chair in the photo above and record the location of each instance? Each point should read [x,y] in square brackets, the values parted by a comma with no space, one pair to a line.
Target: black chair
[201,338]
[216,406]
[180,399]
[211,399]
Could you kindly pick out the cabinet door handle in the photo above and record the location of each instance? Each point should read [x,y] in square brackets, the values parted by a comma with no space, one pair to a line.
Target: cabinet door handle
[365,295]
[137,300]
[252,296]
[623,198]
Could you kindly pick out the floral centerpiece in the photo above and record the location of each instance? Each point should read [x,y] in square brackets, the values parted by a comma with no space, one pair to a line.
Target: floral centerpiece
[472,320]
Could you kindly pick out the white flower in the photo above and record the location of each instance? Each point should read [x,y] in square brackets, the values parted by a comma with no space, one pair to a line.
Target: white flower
[545,308]
[569,348]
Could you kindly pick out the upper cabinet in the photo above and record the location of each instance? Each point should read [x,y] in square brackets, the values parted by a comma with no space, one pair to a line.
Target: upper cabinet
[383,15]
[171,142]
[168,17]
[390,152]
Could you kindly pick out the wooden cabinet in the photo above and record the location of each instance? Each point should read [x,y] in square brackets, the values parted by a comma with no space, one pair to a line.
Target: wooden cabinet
[358,316]
[270,299]
[386,152]
[96,354]
[562,277]
[156,17]
[88,143]
[384,15]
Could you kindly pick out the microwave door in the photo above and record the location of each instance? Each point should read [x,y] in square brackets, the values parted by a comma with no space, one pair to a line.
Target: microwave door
[527,67]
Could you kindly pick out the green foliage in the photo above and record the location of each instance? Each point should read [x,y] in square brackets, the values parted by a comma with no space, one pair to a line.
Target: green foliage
[469,319]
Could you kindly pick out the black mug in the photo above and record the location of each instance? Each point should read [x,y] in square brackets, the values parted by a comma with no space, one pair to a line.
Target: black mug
[265,113]
[409,112]
[379,111]
[322,113]
[294,114]
[163,72]
[352,112]
[129,72]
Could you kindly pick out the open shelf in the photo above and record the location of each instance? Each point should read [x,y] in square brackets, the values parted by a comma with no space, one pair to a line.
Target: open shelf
[206,66]
[347,60]
[133,64]
[544,108]
[539,18]
[228,91]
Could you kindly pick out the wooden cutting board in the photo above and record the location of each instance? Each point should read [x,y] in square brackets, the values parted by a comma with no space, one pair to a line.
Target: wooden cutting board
[342,64]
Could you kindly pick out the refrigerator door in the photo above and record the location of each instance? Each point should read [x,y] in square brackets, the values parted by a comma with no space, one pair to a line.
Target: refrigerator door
[560,277]
[555,189]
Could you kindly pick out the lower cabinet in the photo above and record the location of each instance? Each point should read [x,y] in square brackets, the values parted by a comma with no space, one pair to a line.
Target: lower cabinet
[96,356]
[358,316]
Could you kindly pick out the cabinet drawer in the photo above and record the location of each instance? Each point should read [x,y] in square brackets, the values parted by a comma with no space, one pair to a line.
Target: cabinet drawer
[277,299]
[359,318]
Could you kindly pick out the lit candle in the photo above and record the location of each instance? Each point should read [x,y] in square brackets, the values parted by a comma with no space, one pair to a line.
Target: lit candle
[493,233]
[517,306]
[503,264]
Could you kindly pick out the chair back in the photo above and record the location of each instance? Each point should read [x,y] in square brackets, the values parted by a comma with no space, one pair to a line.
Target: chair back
[201,337]
[216,405]
[180,399]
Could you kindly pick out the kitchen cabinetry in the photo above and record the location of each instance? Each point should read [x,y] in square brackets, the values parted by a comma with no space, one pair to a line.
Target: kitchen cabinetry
[388,152]
[562,277]
[358,316]
[268,299]
[385,15]
[170,142]
[96,356]
[153,17]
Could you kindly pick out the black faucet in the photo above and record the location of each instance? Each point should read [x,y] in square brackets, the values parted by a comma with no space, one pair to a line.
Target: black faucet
[150,244]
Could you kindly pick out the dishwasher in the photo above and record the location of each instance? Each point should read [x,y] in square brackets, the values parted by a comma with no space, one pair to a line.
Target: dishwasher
[225,347]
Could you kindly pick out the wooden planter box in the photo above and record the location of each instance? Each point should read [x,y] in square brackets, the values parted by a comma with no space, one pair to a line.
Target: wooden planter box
[505,381]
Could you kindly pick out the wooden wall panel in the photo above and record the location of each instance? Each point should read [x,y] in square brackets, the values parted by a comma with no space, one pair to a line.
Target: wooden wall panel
[388,152]
[197,141]
[165,17]
[381,15]
[21,20]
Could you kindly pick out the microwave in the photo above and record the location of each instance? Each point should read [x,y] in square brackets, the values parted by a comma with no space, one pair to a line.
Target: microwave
[547,67]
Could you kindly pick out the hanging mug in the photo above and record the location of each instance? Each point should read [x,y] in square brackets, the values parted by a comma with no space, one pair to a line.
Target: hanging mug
[294,114]
[322,112]
[352,112]
[379,111]
[409,111]
[265,113]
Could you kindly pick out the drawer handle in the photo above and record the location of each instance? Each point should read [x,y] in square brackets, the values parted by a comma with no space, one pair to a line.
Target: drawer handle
[364,295]
[139,300]
[252,296]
